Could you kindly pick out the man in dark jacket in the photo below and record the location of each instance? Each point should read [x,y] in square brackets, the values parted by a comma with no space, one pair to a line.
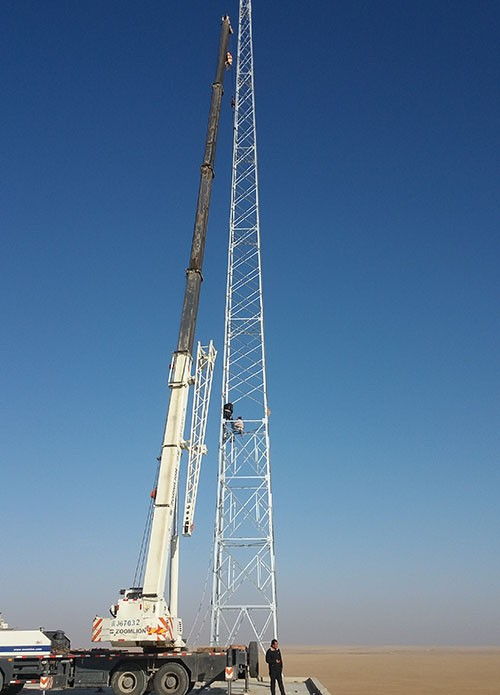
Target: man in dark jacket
[273,658]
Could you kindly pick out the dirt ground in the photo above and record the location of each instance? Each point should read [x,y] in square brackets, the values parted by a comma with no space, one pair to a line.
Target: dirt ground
[397,670]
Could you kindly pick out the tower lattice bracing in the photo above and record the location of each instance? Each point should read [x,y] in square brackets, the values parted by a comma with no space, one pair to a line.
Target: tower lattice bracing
[244,585]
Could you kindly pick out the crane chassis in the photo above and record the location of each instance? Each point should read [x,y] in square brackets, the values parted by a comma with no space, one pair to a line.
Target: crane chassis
[129,673]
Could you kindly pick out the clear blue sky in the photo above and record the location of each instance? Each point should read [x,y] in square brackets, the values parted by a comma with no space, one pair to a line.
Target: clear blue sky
[378,129]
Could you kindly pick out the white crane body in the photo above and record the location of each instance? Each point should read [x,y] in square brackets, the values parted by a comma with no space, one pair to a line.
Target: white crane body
[143,617]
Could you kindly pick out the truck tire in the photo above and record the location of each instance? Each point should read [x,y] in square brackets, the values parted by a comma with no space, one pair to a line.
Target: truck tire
[12,689]
[1,681]
[171,679]
[253,660]
[129,679]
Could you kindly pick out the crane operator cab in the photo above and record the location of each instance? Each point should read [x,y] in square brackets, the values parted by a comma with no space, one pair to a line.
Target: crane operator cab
[131,594]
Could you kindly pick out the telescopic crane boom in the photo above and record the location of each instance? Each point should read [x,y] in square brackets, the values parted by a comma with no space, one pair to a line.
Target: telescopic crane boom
[142,616]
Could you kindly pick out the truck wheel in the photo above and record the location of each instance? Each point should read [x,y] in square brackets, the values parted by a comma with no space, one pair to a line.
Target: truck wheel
[253,660]
[129,679]
[171,679]
[12,689]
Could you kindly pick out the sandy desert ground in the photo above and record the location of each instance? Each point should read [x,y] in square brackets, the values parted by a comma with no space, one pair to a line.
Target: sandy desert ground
[397,670]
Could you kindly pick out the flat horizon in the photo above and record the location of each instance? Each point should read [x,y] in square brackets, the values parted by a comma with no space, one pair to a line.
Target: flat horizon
[400,647]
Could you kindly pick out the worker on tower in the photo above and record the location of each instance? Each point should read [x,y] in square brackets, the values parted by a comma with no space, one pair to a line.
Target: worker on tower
[227,411]
[238,425]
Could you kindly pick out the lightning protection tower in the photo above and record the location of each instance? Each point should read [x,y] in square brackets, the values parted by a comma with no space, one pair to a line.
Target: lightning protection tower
[244,584]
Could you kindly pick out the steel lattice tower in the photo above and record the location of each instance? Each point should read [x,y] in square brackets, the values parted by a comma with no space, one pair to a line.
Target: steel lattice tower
[244,585]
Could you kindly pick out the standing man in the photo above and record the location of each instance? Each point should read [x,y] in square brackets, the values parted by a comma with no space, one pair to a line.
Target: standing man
[273,658]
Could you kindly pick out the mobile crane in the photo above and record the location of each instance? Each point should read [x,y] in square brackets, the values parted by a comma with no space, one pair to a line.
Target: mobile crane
[142,617]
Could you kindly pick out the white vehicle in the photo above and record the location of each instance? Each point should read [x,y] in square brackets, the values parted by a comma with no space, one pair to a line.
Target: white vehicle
[26,648]
[22,642]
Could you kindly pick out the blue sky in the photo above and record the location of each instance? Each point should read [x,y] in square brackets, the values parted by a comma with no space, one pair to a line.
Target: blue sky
[378,149]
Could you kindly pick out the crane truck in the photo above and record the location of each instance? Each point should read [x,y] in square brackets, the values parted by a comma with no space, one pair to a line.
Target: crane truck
[142,617]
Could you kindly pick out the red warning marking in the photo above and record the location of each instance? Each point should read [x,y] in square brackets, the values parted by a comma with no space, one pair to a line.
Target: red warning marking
[167,624]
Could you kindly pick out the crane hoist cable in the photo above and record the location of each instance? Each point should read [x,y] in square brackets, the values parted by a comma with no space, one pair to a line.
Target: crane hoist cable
[200,606]
[141,559]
